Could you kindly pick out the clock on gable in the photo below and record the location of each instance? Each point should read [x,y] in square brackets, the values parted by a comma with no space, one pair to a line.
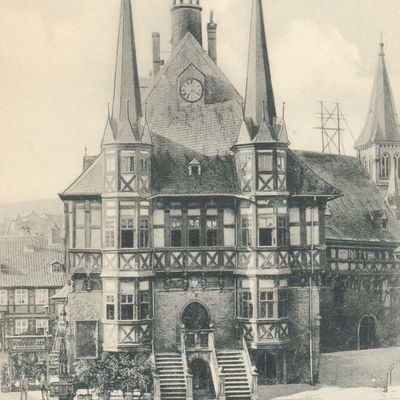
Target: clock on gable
[191,90]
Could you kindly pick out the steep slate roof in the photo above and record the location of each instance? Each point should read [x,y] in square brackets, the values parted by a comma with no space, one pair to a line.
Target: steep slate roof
[170,164]
[350,215]
[260,101]
[208,126]
[382,125]
[124,125]
[28,260]
[90,182]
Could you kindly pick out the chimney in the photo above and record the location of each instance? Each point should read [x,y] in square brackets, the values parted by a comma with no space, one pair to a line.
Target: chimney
[186,17]
[156,53]
[212,38]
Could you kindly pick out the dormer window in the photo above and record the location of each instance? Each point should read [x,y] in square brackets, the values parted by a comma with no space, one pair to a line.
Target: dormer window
[379,217]
[57,267]
[194,168]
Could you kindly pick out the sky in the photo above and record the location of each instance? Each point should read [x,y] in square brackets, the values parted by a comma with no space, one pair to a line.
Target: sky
[57,65]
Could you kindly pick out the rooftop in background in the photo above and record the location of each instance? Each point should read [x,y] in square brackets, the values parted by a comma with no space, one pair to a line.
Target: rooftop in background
[28,262]
[351,214]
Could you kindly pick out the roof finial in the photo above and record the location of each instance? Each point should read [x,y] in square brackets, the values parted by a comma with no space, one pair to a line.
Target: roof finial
[85,151]
[211,16]
[382,44]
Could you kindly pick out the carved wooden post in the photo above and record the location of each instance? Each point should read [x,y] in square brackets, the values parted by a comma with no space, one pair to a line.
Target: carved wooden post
[157,387]
[189,386]
[254,384]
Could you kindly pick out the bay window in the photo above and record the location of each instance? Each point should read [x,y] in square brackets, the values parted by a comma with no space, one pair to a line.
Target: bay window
[281,162]
[176,232]
[283,303]
[127,163]
[110,306]
[143,232]
[88,225]
[266,227]
[127,218]
[127,304]
[212,231]
[194,231]
[144,300]
[267,303]
[265,162]
[245,308]
[245,231]
[283,232]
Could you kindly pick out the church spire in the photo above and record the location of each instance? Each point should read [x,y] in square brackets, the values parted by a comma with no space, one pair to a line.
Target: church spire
[126,110]
[382,125]
[260,103]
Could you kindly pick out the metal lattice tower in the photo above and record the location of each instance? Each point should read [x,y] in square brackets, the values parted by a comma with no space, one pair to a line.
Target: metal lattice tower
[332,124]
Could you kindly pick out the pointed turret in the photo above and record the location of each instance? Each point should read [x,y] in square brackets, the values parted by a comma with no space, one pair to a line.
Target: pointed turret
[382,125]
[123,125]
[260,103]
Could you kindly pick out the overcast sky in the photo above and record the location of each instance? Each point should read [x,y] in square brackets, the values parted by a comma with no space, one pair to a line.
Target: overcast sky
[57,62]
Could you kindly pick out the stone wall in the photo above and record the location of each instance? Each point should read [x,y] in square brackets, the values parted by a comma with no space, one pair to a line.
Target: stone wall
[170,304]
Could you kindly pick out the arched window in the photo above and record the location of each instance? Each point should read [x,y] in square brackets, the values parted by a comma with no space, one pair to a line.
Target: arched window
[396,160]
[385,166]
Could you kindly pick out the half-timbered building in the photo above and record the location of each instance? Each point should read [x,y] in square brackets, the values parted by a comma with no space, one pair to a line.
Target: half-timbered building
[199,235]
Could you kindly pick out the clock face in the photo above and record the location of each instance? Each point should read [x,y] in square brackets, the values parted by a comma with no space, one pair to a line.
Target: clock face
[191,90]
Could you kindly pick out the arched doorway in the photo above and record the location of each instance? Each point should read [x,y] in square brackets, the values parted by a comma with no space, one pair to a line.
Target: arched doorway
[196,321]
[202,380]
[195,317]
[266,368]
[367,338]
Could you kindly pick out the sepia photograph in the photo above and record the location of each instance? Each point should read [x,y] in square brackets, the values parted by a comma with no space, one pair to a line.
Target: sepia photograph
[199,200]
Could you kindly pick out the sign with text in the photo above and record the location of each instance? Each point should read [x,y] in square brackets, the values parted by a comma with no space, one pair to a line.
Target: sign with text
[27,344]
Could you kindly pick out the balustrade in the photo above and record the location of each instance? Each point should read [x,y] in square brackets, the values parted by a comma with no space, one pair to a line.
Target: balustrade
[125,334]
[181,259]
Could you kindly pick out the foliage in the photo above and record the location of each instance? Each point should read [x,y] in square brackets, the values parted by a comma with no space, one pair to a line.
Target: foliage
[5,379]
[28,365]
[114,371]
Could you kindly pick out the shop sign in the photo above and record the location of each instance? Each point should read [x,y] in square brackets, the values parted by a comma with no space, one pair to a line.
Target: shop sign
[27,344]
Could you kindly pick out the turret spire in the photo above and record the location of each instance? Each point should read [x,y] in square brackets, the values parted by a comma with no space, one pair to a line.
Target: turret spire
[126,108]
[260,101]
[382,124]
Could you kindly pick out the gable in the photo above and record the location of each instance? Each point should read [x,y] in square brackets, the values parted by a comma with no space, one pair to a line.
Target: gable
[90,182]
[208,126]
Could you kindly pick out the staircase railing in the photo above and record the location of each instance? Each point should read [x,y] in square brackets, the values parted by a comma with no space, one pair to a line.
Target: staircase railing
[246,359]
[251,372]
[214,364]
[187,375]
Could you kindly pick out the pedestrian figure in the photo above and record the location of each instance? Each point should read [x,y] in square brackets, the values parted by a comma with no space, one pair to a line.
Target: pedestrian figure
[44,388]
[24,386]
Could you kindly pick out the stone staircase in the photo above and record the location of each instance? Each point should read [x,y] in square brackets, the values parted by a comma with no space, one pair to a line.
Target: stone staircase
[237,385]
[172,378]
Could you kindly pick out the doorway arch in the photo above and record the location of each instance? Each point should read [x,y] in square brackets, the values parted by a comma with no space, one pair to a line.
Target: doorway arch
[202,380]
[195,316]
[267,368]
[367,336]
